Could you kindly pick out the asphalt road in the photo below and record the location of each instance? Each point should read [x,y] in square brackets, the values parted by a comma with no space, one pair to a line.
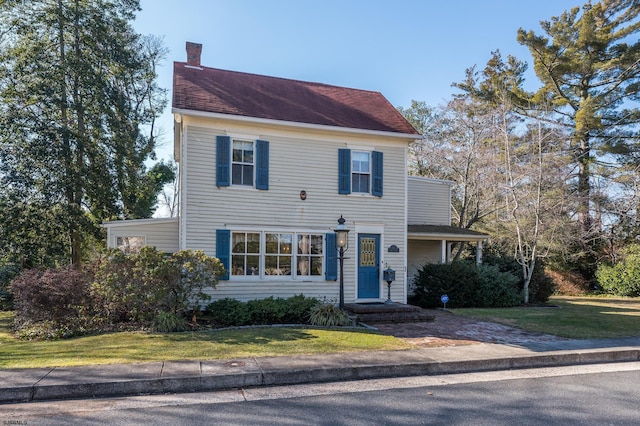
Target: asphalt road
[605,394]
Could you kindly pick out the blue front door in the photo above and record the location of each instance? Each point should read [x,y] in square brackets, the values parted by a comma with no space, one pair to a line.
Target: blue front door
[368,266]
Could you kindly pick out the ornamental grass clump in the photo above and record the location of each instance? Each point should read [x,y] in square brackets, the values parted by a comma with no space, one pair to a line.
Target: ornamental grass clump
[329,315]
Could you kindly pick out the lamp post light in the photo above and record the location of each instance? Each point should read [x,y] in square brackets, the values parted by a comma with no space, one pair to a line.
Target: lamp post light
[342,243]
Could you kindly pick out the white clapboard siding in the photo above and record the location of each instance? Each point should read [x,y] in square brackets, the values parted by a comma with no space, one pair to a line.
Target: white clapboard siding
[161,233]
[419,253]
[429,201]
[297,162]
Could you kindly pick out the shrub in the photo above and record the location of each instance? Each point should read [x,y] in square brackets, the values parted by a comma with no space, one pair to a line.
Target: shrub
[51,330]
[228,312]
[497,289]
[455,280]
[267,311]
[467,285]
[137,287]
[299,309]
[623,278]
[327,314]
[190,272]
[232,312]
[130,288]
[541,286]
[55,295]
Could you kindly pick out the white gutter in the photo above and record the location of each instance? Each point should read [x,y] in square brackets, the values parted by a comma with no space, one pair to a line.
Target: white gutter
[133,222]
[309,126]
[443,236]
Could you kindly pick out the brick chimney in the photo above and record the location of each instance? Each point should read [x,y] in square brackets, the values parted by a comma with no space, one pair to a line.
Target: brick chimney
[193,54]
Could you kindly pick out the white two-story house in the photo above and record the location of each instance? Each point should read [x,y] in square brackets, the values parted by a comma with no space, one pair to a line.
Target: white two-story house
[268,166]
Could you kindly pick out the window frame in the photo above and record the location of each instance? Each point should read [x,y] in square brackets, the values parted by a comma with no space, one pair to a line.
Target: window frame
[294,256]
[121,247]
[233,163]
[369,173]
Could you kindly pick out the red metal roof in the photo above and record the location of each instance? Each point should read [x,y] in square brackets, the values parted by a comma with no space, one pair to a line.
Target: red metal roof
[251,95]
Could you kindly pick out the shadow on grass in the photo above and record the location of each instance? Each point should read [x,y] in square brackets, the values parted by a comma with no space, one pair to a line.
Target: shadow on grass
[262,335]
[257,335]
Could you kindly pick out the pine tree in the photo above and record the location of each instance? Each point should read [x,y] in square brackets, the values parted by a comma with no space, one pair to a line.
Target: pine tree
[588,62]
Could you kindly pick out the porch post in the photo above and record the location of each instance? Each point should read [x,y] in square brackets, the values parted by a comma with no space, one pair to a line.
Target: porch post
[443,251]
[479,252]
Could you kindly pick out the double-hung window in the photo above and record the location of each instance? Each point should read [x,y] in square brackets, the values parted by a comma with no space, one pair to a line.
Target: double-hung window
[245,253]
[242,163]
[278,254]
[360,172]
[310,255]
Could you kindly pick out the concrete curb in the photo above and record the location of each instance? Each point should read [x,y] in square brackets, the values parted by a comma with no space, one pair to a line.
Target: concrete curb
[194,376]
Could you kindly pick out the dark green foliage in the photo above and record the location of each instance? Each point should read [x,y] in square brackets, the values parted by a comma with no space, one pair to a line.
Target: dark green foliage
[497,289]
[329,315]
[232,312]
[466,284]
[298,309]
[78,104]
[228,312]
[7,273]
[455,280]
[541,286]
[267,311]
[623,278]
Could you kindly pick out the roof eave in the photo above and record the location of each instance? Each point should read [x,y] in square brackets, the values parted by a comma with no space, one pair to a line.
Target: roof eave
[444,236]
[133,222]
[268,121]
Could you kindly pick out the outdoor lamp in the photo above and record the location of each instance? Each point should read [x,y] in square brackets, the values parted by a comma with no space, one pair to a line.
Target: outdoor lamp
[342,234]
[342,243]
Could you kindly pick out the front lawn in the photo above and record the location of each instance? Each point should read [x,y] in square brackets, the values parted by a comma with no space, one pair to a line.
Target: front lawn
[574,317]
[128,347]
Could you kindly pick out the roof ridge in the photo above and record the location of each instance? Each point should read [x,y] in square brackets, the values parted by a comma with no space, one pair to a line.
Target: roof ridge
[315,83]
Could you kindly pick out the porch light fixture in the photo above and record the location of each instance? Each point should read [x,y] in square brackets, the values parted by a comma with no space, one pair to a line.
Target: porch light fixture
[342,244]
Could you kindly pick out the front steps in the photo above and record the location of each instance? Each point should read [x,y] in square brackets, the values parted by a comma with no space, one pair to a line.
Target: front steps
[371,313]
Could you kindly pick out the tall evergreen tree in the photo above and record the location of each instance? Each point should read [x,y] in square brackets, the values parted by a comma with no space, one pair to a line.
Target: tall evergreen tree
[588,61]
[77,94]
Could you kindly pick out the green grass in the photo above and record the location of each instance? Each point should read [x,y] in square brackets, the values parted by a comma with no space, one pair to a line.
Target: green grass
[128,347]
[575,317]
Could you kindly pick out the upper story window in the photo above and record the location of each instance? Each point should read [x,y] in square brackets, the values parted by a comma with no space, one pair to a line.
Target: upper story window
[360,172]
[242,163]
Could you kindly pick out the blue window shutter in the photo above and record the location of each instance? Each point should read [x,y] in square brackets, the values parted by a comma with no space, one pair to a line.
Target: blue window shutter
[262,162]
[376,186]
[331,257]
[223,244]
[344,171]
[223,160]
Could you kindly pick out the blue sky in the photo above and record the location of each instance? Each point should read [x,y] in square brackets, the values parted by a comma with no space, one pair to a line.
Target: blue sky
[405,49]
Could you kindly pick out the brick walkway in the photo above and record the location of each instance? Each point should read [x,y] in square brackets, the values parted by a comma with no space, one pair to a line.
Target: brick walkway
[449,329]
